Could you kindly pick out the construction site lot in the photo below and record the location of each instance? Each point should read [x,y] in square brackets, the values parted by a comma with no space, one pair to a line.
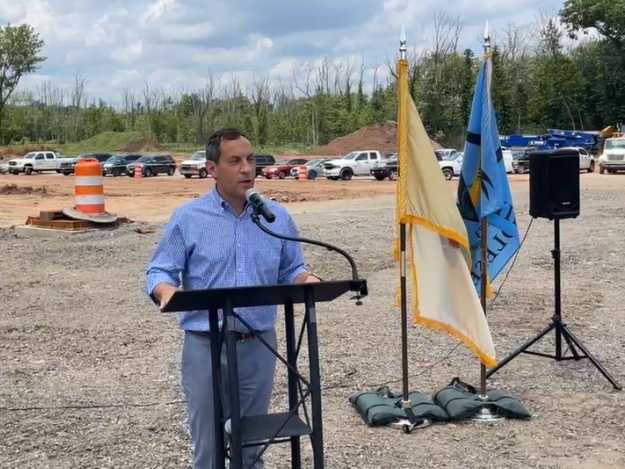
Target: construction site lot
[89,369]
[152,199]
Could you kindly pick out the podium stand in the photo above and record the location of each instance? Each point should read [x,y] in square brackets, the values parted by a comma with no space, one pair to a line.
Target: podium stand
[264,430]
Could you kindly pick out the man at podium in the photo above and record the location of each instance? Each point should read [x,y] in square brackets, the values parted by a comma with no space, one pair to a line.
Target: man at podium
[211,242]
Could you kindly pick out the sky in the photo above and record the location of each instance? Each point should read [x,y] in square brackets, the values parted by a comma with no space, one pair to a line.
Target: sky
[179,44]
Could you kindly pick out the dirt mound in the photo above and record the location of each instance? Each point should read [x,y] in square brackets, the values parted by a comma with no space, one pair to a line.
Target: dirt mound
[14,189]
[142,145]
[381,137]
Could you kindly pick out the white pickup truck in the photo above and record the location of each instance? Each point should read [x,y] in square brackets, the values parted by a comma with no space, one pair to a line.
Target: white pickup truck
[356,163]
[195,166]
[37,162]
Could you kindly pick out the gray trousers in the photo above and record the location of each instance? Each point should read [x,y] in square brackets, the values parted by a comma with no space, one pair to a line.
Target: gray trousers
[256,373]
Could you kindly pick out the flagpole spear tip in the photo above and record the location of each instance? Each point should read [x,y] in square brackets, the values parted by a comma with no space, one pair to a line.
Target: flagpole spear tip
[402,43]
[487,44]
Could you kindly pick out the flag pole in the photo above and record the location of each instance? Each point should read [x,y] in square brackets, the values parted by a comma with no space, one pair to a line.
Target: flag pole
[487,414]
[402,247]
[484,241]
[411,421]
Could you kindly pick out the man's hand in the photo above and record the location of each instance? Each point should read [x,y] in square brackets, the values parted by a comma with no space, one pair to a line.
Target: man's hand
[311,279]
[163,293]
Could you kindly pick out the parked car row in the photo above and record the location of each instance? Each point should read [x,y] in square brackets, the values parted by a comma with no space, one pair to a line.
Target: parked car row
[125,163]
[354,164]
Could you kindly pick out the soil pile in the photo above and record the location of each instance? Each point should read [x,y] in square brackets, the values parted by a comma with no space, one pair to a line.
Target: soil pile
[143,145]
[14,189]
[381,137]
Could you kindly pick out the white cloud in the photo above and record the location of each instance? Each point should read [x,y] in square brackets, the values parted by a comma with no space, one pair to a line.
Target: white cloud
[177,43]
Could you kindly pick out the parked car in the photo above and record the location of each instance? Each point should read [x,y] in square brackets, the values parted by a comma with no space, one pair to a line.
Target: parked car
[37,162]
[386,169]
[282,168]
[450,166]
[116,164]
[313,168]
[153,165]
[263,160]
[586,160]
[445,153]
[67,167]
[195,166]
[356,163]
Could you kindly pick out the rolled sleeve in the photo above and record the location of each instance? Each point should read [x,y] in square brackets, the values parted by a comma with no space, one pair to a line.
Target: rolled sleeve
[292,262]
[169,258]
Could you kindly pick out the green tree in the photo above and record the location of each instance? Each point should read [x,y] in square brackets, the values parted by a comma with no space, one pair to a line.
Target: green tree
[606,16]
[20,49]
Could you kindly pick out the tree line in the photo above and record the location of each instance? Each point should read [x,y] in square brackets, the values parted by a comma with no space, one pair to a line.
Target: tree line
[547,74]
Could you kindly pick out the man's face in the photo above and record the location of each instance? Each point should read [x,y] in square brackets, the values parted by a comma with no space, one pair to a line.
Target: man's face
[236,170]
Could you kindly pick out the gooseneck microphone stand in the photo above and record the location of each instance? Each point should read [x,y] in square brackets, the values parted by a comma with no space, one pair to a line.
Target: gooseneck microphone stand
[329,247]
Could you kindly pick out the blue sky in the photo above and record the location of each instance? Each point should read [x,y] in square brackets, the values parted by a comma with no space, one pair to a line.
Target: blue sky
[177,44]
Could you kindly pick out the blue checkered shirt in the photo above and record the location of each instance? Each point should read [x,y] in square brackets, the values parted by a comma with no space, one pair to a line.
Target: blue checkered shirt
[206,245]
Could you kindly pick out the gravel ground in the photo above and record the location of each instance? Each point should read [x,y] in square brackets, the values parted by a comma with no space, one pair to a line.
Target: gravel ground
[90,371]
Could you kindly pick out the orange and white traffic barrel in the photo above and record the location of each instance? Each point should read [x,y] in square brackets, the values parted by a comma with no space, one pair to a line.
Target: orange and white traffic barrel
[303,174]
[89,203]
[89,187]
[138,171]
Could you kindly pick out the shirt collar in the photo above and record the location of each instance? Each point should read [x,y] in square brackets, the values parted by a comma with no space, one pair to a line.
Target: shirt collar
[221,203]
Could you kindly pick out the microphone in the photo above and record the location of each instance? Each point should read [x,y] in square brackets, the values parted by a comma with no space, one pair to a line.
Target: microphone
[259,205]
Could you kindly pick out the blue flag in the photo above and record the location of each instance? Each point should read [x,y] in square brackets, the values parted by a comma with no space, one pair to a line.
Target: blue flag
[483,190]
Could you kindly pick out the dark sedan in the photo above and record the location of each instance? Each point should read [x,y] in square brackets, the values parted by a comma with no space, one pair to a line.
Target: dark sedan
[153,165]
[116,165]
[67,168]
[386,169]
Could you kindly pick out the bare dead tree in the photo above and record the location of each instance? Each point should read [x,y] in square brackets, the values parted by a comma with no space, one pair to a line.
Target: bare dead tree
[303,79]
[77,102]
[203,104]
[447,31]
[515,40]
[261,101]
[147,104]
[322,76]
[129,104]
[57,100]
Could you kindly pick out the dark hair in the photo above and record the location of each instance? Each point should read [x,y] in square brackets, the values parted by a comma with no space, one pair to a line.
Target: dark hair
[213,146]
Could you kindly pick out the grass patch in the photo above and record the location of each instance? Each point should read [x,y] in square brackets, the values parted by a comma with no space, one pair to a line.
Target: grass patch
[135,142]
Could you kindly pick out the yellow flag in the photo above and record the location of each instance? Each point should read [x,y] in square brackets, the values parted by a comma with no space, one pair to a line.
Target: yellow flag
[441,289]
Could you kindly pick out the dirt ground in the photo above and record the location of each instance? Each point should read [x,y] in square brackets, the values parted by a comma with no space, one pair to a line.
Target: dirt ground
[89,370]
[152,199]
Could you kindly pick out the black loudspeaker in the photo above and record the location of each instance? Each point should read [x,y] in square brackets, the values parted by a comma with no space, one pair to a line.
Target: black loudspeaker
[554,184]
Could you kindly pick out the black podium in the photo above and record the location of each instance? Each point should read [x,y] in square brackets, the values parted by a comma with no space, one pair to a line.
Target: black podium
[264,430]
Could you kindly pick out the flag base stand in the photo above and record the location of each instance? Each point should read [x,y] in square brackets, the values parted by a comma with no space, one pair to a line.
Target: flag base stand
[411,421]
[406,426]
[488,414]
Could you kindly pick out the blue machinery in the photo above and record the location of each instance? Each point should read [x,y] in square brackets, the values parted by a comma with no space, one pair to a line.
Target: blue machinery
[592,141]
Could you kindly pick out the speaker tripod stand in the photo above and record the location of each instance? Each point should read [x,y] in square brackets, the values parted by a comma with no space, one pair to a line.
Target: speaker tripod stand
[562,331]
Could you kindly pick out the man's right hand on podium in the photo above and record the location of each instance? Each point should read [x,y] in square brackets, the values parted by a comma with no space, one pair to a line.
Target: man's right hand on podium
[163,293]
